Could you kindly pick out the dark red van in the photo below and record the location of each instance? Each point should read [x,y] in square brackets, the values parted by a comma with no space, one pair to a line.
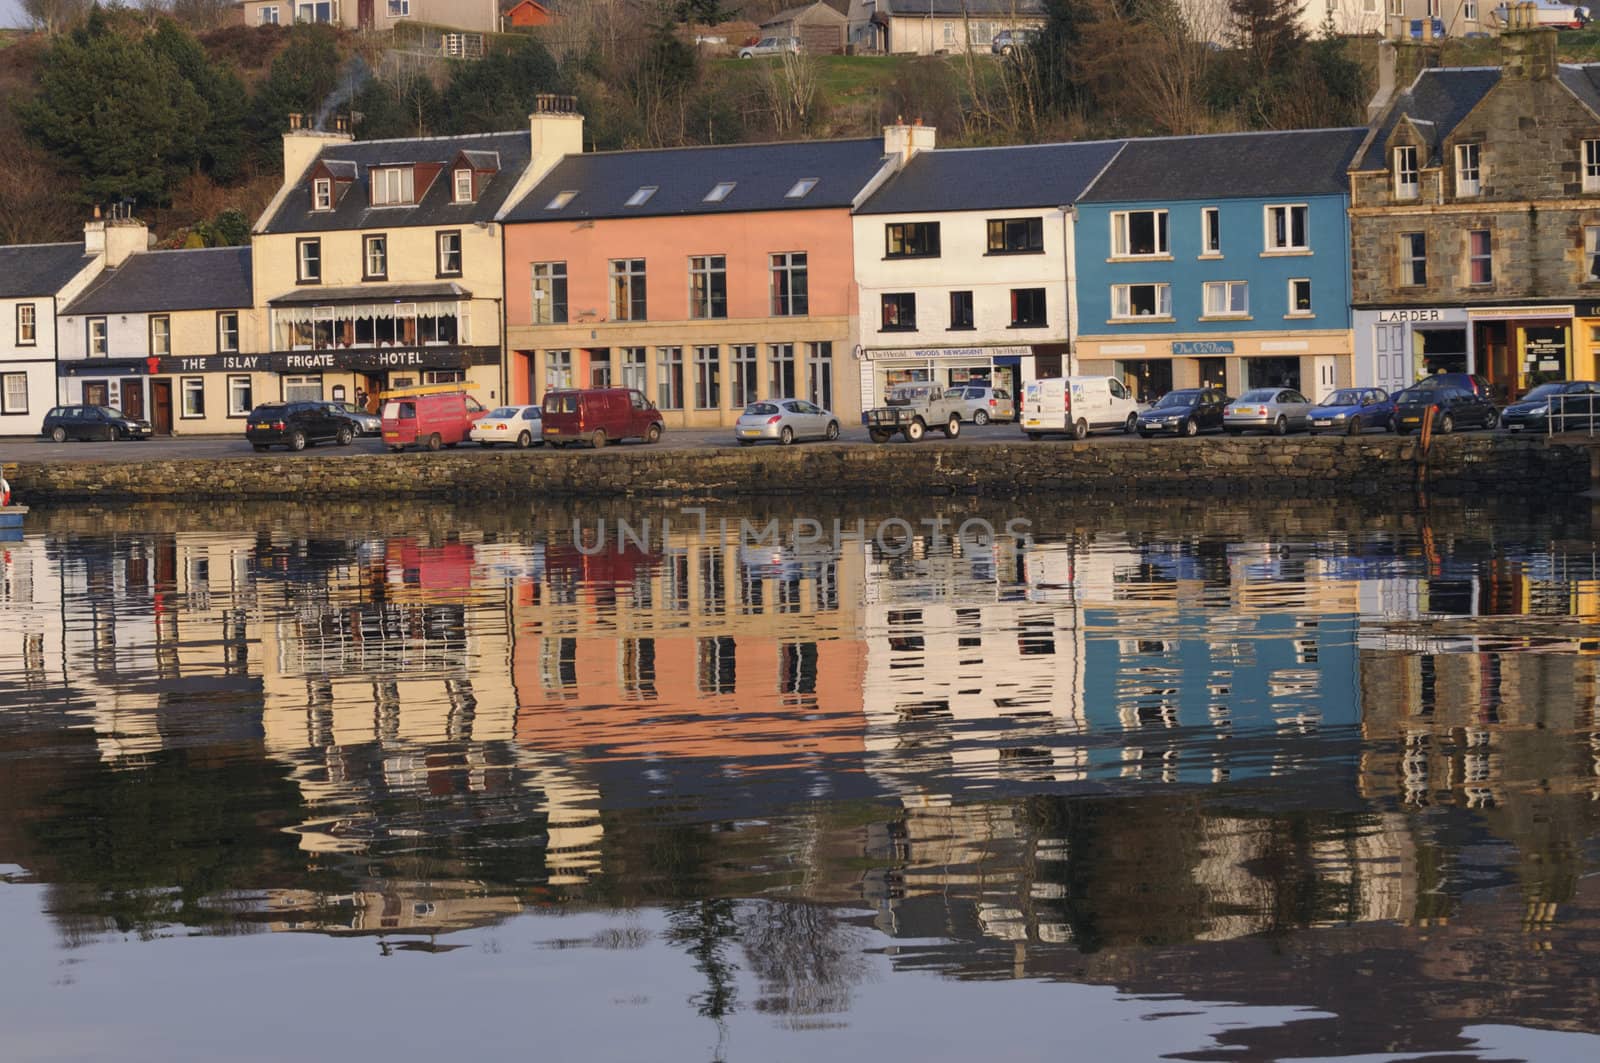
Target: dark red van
[598,416]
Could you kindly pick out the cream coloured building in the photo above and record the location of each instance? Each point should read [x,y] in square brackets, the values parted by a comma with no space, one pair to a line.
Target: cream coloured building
[482,16]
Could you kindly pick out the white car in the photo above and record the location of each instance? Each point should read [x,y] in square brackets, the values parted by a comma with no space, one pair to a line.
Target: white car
[770,46]
[1549,13]
[522,426]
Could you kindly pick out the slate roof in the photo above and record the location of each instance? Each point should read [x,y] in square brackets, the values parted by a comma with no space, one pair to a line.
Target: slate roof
[1038,175]
[210,278]
[354,210]
[1307,162]
[39,269]
[988,8]
[1437,100]
[371,293]
[763,175]
[1584,81]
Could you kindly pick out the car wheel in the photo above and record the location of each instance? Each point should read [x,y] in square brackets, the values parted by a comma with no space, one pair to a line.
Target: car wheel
[297,441]
[833,431]
[1080,429]
[652,434]
[1393,425]
[1034,437]
[1234,431]
[1280,427]
[1131,425]
[393,450]
[1190,428]
[1492,421]
[434,442]
[953,427]
[1447,424]
[980,418]
[786,436]
[258,447]
[1354,428]
[742,442]
[1401,431]
[58,434]
[914,430]
[525,440]
[878,435]
[344,437]
[598,440]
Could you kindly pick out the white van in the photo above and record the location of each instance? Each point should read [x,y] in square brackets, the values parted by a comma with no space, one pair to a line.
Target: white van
[1077,404]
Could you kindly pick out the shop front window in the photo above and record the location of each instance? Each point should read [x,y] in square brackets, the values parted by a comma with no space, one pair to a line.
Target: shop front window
[557,370]
[633,369]
[302,389]
[378,325]
[744,374]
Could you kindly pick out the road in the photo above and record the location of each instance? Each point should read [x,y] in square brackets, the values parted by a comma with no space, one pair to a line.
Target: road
[234,446]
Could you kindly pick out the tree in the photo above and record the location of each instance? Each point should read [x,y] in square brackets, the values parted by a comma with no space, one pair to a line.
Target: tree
[497,92]
[404,106]
[54,16]
[301,78]
[221,142]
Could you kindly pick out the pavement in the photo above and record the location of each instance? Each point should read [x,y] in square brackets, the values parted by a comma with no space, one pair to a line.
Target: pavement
[14,448]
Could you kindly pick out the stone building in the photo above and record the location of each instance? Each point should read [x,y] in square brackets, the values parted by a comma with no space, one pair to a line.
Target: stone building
[1475,221]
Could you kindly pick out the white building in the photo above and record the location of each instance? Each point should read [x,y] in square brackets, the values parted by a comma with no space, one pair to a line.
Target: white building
[36,281]
[929,27]
[963,266]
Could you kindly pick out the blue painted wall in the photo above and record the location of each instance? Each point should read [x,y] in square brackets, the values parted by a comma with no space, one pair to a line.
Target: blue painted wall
[1243,239]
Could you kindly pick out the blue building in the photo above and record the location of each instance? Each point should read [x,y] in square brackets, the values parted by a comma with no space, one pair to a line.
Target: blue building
[1218,260]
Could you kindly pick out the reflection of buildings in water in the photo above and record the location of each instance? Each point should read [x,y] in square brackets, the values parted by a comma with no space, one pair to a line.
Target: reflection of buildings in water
[389,908]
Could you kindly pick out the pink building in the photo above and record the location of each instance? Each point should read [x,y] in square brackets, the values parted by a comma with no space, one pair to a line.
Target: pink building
[706,278]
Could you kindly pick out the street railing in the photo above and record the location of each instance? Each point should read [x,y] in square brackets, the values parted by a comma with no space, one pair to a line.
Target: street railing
[1572,413]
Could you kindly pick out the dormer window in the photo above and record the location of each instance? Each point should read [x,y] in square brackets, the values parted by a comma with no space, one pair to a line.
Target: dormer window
[393,186]
[1407,179]
[720,192]
[322,194]
[642,196]
[560,200]
[800,188]
[463,186]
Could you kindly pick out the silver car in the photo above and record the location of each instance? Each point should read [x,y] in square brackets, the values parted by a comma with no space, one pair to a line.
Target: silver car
[985,404]
[1276,410]
[367,424]
[784,421]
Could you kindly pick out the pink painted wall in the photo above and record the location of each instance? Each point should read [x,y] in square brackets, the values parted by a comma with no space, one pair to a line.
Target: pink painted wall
[667,243]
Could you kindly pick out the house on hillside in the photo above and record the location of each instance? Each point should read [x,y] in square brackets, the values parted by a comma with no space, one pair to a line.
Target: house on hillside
[478,16]
[1475,220]
[928,27]
[820,28]
[524,14]
[36,281]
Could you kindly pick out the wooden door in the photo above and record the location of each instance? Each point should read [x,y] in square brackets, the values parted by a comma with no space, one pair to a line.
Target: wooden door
[133,398]
[161,403]
[364,14]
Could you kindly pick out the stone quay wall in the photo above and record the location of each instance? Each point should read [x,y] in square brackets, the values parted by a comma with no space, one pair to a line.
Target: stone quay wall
[1465,466]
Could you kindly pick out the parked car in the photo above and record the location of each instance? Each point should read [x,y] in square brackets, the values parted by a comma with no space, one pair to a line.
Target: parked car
[429,419]
[1077,405]
[1557,406]
[297,425]
[1276,410]
[1453,408]
[1550,13]
[985,404]
[1007,41]
[912,409]
[1478,385]
[784,421]
[521,425]
[91,422]
[1185,412]
[599,416]
[367,424]
[770,46]
[1353,410]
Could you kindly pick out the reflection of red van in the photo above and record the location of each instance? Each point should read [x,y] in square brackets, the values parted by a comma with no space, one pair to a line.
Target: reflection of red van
[431,421]
[598,416]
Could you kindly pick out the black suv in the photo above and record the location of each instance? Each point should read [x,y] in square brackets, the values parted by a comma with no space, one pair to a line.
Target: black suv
[297,425]
[1453,408]
[91,422]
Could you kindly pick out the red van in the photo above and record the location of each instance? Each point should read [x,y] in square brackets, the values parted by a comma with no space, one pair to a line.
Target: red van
[429,420]
[598,416]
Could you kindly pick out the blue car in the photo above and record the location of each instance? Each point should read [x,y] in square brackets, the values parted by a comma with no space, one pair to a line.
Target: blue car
[1353,411]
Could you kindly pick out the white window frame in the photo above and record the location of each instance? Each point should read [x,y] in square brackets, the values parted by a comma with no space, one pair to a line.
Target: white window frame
[708,377]
[302,382]
[636,369]
[720,191]
[1310,310]
[801,188]
[1407,173]
[1469,170]
[1270,215]
[463,178]
[790,283]
[159,324]
[544,277]
[441,266]
[1591,253]
[97,346]
[641,196]
[703,272]
[1469,10]
[322,194]
[1122,302]
[669,377]
[393,186]
[8,401]
[624,274]
[302,274]
[558,369]
[224,346]
[1210,218]
[744,380]
[267,16]
[1228,294]
[1408,261]
[303,7]
[399,8]
[1121,237]
[1591,165]
[379,243]
[237,408]
[191,386]
[27,325]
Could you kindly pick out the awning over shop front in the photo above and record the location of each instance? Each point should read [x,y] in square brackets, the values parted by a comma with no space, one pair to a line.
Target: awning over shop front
[371,293]
[878,354]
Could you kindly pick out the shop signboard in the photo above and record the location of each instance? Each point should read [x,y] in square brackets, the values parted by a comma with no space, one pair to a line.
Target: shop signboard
[1201,348]
[358,360]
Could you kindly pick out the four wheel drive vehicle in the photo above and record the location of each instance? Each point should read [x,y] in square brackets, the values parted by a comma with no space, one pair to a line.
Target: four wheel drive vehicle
[521,425]
[985,404]
[1007,41]
[91,422]
[598,416]
[1559,406]
[1077,405]
[1276,410]
[784,420]
[770,46]
[367,424]
[912,409]
[1353,411]
[1472,382]
[297,425]
[1185,412]
[436,420]
[1452,407]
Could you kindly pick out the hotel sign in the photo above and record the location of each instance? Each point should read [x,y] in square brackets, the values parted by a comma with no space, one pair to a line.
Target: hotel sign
[1202,347]
[346,360]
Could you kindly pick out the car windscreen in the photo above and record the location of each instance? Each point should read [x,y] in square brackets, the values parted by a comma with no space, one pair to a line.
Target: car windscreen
[268,411]
[1342,398]
[760,409]
[112,412]
[1178,398]
[1543,391]
[561,402]
[503,413]
[1259,395]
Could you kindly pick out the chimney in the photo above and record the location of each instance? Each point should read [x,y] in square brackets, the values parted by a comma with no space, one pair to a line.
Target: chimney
[1528,55]
[557,128]
[115,238]
[94,234]
[904,140]
[302,145]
